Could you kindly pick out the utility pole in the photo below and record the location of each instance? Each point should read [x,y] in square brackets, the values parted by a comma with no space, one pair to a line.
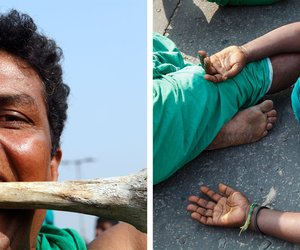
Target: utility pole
[78,163]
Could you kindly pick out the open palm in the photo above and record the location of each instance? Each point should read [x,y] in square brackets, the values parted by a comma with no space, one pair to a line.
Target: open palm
[228,209]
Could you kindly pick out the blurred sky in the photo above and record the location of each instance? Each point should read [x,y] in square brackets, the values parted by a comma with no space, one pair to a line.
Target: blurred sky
[104,45]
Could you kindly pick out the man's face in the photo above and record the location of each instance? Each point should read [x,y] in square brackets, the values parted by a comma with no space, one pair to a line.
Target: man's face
[25,142]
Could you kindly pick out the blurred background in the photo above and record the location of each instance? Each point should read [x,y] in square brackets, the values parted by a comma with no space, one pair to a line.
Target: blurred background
[104,45]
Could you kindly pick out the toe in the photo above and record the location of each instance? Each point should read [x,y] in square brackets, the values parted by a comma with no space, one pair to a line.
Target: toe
[272,113]
[272,119]
[265,133]
[266,106]
[269,126]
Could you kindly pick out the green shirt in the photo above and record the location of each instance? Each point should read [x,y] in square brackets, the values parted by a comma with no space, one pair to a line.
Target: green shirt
[53,238]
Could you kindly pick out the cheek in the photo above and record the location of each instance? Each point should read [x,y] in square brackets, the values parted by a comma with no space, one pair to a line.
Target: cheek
[28,155]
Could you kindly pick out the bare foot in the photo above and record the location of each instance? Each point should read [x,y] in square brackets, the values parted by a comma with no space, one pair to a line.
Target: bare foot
[247,126]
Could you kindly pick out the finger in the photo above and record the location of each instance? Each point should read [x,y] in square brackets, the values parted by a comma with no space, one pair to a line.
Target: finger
[192,208]
[202,202]
[202,219]
[200,210]
[233,71]
[214,78]
[210,193]
[195,209]
[215,65]
[209,66]
[208,213]
[226,190]
[202,53]
[210,78]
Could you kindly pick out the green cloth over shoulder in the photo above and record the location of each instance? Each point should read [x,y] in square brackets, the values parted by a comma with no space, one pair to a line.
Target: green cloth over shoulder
[53,238]
[189,111]
[295,99]
[243,2]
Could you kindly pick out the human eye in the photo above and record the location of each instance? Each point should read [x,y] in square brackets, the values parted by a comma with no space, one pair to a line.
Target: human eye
[13,119]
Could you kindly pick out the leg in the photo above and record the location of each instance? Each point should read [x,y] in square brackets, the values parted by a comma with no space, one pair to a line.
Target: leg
[286,70]
[252,124]
[247,126]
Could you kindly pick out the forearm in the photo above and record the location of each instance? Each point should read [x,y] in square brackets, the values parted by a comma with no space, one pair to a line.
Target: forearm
[285,39]
[283,225]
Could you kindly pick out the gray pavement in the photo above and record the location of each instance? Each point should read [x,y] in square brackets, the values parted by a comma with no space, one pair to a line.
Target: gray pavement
[268,167]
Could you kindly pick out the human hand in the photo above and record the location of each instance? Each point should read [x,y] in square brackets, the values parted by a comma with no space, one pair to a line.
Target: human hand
[224,64]
[228,209]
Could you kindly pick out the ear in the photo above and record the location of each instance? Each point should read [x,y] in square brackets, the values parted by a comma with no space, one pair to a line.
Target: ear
[54,165]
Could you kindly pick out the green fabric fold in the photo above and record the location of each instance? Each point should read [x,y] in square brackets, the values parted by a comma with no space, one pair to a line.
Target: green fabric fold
[53,238]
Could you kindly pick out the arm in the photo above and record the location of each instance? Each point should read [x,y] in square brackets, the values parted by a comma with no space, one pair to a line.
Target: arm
[122,236]
[285,39]
[283,225]
[230,209]
[230,61]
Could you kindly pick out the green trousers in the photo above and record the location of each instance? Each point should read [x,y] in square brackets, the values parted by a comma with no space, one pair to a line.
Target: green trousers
[188,111]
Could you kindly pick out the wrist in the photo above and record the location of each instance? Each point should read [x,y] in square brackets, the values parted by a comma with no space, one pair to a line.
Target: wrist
[252,220]
[247,209]
[249,212]
[245,51]
[256,216]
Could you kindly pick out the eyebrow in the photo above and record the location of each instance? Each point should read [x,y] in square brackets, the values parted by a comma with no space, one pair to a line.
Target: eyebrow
[21,99]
